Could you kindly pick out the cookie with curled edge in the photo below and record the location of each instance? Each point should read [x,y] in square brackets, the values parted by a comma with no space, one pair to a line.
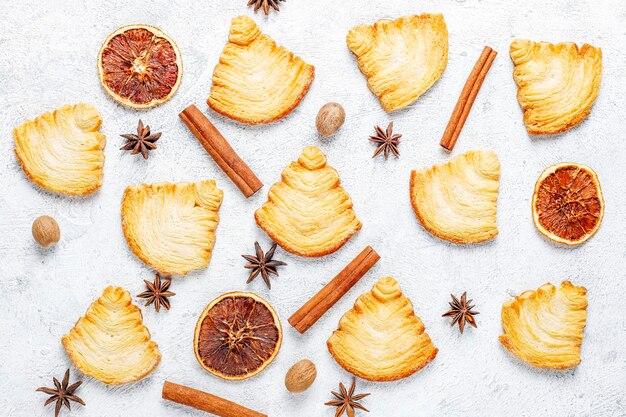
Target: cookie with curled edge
[171,227]
[62,150]
[557,83]
[457,201]
[401,58]
[308,213]
[381,338]
[544,328]
[257,81]
[110,342]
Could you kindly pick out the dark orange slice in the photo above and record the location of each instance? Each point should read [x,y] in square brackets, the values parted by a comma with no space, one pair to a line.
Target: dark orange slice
[237,335]
[567,204]
[140,66]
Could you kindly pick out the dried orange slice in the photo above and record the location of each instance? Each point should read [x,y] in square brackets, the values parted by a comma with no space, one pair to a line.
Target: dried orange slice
[140,66]
[567,204]
[237,335]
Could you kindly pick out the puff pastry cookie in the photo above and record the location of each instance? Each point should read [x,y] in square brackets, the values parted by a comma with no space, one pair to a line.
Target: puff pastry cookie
[381,338]
[401,58]
[308,213]
[544,328]
[457,201]
[557,84]
[256,81]
[110,343]
[171,227]
[62,150]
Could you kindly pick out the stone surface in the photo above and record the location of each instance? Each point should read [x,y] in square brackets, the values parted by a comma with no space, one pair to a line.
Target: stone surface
[47,59]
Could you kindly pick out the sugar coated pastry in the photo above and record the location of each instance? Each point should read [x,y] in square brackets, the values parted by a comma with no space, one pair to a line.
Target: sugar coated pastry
[381,338]
[308,213]
[256,81]
[62,150]
[110,343]
[557,83]
[457,200]
[544,328]
[401,58]
[171,227]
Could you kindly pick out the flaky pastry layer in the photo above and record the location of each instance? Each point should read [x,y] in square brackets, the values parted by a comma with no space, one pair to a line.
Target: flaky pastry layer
[308,213]
[110,343]
[381,338]
[401,58]
[62,150]
[557,83]
[171,227]
[257,81]
[544,328]
[457,201]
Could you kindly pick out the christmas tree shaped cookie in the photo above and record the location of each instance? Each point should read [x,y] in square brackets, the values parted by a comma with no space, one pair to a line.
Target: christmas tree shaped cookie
[308,213]
[110,343]
[381,338]
[257,81]
[544,328]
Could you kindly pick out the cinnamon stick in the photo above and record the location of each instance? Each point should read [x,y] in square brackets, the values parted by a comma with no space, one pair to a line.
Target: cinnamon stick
[206,402]
[221,151]
[467,97]
[319,304]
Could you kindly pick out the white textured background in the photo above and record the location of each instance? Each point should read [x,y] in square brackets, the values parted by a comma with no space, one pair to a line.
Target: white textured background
[48,58]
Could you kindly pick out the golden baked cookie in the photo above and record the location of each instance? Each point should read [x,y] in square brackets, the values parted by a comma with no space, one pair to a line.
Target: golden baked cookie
[401,58]
[308,213]
[62,150]
[557,84]
[171,227]
[381,338]
[544,328]
[110,343]
[457,201]
[256,81]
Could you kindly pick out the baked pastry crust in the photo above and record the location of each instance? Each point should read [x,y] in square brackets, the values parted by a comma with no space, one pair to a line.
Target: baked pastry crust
[557,83]
[62,150]
[381,338]
[457,201]
[308,213]
[401,58]
[257,81]
[171,227]
[544,328]
[110,343]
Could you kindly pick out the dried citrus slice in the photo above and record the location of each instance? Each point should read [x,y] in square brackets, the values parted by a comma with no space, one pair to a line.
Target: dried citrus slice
[140,66]
[237,335]
[567,203]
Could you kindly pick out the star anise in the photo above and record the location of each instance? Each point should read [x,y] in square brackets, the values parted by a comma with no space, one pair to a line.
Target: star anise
[461,311]
[263,264]
[387,141]
[157,292]
[142,142]
[62,394]
[265,4]
[346,400]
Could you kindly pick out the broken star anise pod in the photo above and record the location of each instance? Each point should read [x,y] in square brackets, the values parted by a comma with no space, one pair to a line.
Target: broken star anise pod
[265,4]
[142,142]
[62,394]
[386,140]
[346,400]
[262,264]
[461,312]
[157,292]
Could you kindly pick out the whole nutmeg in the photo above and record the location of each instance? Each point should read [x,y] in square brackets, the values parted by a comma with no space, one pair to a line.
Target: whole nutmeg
[300,376]
[46,231]
[329,119]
